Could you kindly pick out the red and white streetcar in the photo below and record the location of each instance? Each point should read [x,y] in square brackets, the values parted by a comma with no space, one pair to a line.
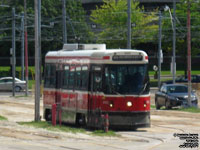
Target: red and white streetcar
[88,81]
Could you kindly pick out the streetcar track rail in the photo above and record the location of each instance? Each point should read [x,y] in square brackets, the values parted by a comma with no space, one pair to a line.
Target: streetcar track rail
[169,127]
[148,137]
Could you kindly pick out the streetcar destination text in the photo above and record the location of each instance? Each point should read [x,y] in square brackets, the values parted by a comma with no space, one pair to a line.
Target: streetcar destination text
[127,58]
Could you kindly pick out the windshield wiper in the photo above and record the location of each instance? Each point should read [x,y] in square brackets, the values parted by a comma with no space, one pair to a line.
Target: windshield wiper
[143,88]
[113,91]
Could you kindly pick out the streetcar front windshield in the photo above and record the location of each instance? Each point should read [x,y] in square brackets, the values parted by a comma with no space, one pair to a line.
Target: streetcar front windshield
[126,79]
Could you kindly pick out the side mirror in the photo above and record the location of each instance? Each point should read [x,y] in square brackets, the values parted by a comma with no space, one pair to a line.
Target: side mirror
[165,92]
[98,80]
[155,68]
[194,91]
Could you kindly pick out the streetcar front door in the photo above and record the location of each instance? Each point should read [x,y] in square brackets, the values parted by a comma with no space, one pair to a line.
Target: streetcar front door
[95,88]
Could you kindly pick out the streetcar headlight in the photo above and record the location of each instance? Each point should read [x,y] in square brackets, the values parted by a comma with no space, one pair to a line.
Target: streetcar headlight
[145,105]
[129,104]
[111,105]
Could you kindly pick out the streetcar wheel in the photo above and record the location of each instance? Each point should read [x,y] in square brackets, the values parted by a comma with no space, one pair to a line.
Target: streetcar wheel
[80,119]
[47,115]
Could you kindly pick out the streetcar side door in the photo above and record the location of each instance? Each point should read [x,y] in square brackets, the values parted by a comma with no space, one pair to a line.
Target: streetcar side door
[58,84]
[72,94]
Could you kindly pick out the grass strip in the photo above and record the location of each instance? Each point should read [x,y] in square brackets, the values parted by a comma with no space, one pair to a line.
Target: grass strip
[102,133]
[48,126]
[189,109]
[65,128]
[3,118]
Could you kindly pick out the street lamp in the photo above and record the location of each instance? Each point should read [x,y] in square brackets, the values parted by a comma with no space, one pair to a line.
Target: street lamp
[159,48]
[173,22]
[166,8]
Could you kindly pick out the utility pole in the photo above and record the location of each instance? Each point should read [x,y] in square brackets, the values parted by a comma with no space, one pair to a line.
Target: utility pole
[37,61]
[39,30]
[189,51]
[26,46]
[64,21]
[129,25]
[159,47]
[13,50]
[22,46]
[174,42]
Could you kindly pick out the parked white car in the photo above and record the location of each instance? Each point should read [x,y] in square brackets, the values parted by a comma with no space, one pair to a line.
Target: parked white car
[6,84]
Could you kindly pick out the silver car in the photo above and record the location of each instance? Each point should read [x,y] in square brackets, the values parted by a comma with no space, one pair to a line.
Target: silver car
[6,84]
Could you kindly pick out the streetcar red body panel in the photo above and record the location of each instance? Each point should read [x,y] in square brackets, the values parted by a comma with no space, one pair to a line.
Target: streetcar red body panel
[87,84]
[121,103]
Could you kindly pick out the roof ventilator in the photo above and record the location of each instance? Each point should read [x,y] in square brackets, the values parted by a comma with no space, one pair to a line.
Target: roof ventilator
[74,47]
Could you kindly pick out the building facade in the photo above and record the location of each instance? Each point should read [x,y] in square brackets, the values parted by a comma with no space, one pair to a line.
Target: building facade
[148,4]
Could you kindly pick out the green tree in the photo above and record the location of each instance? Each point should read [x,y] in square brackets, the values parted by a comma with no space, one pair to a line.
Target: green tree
[181,30]
[111,17]
[51,17]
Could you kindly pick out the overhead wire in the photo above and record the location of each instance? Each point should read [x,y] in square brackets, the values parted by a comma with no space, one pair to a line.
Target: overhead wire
[75,22]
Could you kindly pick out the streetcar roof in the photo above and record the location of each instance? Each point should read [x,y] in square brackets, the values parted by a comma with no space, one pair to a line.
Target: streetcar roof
[94,53]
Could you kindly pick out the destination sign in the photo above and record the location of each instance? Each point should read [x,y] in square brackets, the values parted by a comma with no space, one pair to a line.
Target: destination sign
[127,58]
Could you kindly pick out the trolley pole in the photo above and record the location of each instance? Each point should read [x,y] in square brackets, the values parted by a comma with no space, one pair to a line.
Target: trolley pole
[159,47]
[13,50]
[129,25]
[37,61]
[189,51]
[64,21]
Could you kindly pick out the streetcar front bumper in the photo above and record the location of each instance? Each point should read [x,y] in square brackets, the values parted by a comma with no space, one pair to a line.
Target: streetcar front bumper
[123,120]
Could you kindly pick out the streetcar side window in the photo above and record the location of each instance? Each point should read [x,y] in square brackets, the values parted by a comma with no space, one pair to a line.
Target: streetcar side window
[53,76]
[78,77]
[47,72]
[66,77]
[84,77]
[50,75]
[71,77]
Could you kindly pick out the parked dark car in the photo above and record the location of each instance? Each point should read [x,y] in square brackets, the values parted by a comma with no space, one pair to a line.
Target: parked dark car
[171,95]
[183,79]
[6,84]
